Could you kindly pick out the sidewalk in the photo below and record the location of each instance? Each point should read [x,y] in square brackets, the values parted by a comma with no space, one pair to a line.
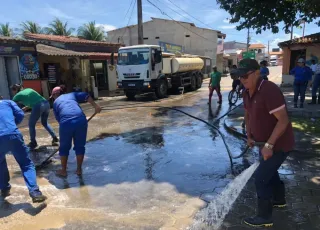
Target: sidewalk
[301,175]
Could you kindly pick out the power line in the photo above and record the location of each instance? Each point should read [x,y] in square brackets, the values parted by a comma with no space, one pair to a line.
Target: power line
[189,14]
[164,13]
[135,2]
[132,1]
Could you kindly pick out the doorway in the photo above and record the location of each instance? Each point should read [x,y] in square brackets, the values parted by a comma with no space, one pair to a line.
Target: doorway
[295,55]
[10,75]
[99,71]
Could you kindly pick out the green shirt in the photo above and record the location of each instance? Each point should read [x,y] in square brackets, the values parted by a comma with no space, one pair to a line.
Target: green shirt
[215,78]
[28,97]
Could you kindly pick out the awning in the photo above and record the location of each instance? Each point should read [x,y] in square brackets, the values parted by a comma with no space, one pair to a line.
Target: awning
[53,51]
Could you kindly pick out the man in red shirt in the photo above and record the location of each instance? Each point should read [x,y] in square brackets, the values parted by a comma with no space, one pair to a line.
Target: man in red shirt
[267,121]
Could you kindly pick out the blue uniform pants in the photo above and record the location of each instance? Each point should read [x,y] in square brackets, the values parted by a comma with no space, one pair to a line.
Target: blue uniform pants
[42,110]
[316,86]
[299,89]
[267,176]
[14,143]
[75,130]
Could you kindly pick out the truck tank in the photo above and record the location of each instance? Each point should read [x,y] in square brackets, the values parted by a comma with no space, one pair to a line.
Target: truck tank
[177,64]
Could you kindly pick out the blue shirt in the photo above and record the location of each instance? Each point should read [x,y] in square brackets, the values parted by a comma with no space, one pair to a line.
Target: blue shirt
[10,116]
[66,107]
[302,74]
[264,71]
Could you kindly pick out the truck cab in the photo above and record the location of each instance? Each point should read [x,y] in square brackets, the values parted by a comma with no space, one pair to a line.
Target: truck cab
[139,69]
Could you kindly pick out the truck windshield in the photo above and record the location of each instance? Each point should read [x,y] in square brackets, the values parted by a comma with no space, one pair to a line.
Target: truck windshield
[133,57]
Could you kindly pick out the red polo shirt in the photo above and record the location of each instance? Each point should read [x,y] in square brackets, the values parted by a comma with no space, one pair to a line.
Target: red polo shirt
[267,100]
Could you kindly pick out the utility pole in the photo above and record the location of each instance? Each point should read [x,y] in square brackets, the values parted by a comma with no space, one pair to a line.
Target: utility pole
[291,32]
[248,39]
[304,26]
[140,25]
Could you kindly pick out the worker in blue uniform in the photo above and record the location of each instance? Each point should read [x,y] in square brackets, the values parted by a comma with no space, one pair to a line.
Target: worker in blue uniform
[73,125]
[11,140]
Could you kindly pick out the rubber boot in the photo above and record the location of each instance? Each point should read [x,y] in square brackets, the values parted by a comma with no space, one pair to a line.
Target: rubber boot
[295,104]
[55,141]
[319,100]
[301,106]
[313,101]
[279,196]
[5,192]
[264,216]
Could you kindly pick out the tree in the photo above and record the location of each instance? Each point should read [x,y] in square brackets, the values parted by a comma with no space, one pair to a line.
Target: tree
[57,27]
[91,32]
[267,14]
[5,30]
[31,27]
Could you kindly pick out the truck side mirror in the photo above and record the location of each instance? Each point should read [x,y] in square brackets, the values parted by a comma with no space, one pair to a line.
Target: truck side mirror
[157,56]
[153,64]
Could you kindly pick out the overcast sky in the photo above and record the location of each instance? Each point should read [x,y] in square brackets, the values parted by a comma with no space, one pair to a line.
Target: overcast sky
[111,14]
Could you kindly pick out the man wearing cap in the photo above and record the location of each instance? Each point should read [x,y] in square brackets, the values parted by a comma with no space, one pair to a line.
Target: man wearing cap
[302,75]
[267,121]
[214,84]
[73,125]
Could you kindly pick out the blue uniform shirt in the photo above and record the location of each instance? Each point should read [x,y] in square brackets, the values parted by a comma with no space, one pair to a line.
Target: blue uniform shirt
[302,74]
[10,116]
[264,71]
[66,107]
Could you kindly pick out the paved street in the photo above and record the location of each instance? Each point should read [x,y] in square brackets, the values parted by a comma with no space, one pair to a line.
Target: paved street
[145,168]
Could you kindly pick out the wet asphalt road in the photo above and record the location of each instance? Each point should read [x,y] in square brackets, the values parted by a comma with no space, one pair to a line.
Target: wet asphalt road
[145,168]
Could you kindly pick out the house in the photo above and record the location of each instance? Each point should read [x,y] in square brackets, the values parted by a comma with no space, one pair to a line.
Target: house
[18,64]
[307,47]
[172,36]
[72,61]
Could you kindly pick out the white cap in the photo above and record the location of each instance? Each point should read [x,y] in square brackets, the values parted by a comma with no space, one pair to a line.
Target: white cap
[301,60]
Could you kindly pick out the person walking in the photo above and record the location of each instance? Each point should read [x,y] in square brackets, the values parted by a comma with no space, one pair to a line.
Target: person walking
[73,125]
[302,76]
[316,83]
[214,84]
[11,140]
[264,71]
[40,108]
[264,101]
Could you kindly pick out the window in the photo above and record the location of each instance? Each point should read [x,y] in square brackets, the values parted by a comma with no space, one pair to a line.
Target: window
[133,57]
[157,37]
[187,36]
[145,38]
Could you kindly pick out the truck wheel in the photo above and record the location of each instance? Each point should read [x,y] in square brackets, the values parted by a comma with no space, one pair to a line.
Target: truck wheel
[162,89]
[193,83]
[199,81]
[131,95]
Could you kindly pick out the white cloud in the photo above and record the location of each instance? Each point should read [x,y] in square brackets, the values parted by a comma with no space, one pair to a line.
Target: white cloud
[106,27]
[214,15]
[226,20]
[56,12]
[229,27]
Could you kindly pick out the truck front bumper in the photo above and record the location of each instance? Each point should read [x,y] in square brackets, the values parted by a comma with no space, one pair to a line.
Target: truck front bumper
[136,85]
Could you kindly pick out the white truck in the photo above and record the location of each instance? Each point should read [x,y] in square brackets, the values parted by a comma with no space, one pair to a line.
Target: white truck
[273,60]
[145,68]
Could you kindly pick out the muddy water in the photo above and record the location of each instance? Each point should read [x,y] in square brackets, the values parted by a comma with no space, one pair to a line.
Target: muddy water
[144,169]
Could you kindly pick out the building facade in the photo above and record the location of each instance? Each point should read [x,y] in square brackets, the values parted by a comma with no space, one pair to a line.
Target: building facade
[18,65]
[177,36]
[307,47]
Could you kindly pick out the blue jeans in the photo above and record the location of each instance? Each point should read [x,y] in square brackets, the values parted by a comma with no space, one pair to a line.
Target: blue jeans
[316,86]
[42,109]
[14,143]
[267,176]
[299,89]
[75,130]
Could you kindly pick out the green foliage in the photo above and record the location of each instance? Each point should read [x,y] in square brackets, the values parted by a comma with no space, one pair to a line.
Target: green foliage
[90,31]
[5,30]
[31,27]
[57,27]
[267,14]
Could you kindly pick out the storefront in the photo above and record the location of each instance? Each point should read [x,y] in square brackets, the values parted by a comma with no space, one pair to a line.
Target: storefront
[307,48]
[18,64]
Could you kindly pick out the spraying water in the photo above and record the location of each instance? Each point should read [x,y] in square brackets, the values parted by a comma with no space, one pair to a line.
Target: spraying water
[213,215]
